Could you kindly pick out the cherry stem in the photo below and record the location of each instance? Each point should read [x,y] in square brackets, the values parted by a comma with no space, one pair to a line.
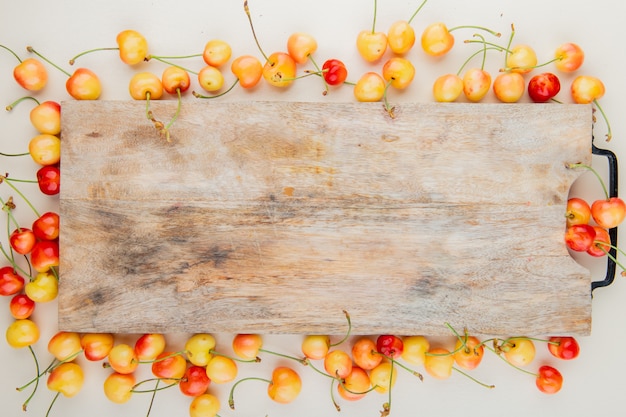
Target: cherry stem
[600,244]
[387,106]
[590,168]
[493,32]
[154,391]
[54,400]
[494,45]
[173,119]
[508,46]
[347,332]
[234,358]
[3,177]
[32,394]
[282,355]
[387,406]
[472,56]
[8,209]
[417,11]
[309,363]
[172,57]
[198,95]
[609,134]
[247,10]
[332,395]
[472,378]
[18,180]
[30,49]
[400,364]
[14,154]
[19,100]
[374,19]
[174,354]
[73,60]
[505,360]
[13,53]
[319,70]
[156,387]
[231,399]
[149,57]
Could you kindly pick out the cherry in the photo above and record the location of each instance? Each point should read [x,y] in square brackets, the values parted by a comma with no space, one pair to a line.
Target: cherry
[509,87]
[149,346]
[44,288]
[221,369]
[22,240]
[118,388]
[30,73]
[247,69]
[83,84]
[370,87]
[285,385]
[123,359]
[398,72]
[439,362]
[247,346]
[437,39]
[22,333]
[198,348]
[334,72]
[65,346]
[468,352]
[315,346]
[210,78]
[97,346]
[519,351]
[355,385]
[390,346]
[401,35]
[580,237]
[563,347]
[21,306]
[543,87]
[216,53]
[49,179]
[10,281]
[45,255]
[577,212]
[447,88]
[587,89]
[608,213]
[145,86]
[175,80]
[45,117]
[205,405]
[521,58]
[568,57]
[383,377]
[476,84]
[45,149]
[549,380]
[601,243]
[132,47]
[415,348]
[371,44]
[300,46]
[364,354]
[170,367]
[195,381]
[46,226]
[338,363]
[66,379]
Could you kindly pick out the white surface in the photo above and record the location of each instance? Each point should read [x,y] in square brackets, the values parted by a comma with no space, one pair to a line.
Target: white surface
[593,383]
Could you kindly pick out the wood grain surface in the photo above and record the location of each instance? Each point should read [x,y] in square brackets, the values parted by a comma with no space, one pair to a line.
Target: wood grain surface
[274,217]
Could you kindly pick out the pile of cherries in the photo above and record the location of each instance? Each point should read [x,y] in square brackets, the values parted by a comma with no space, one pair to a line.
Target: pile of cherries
[354,366]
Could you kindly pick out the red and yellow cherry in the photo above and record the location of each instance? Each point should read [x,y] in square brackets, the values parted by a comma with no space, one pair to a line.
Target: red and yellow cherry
[133,46]
[205,405]
[415,348]
[195,381]
[247,346]
[247,69]
[175,80]
[118,388]
[447,88]
[221,369]
[315,346]
[439,362]
[549,380]
[84,84]
[22,333]
[149,346]
[522,59]
[519,351]
[300,46]
[585,89]
[389,345]
[44,288]
[468,353]
[338,363]
[169,366]
[145,85]
[436,39]
[46,226]
[543,87]
[279,69]
[123,359]
[334,72]
[210,79]
[30,73]
[198,348]
[21,306]
[45,149]
[216,53]
[371,45]
[65,345]
[568,57]
[355,385]
[563,347]
[370,87]
[476,84]
[401,37]
[96,346]
[285,385]
[22,240]
[577,211]
[608,213]
[46,117]
[44,255]
[399,72]
[364,354]
[509,87]
[67,378]
[383,377]
[10,281]
[49,179]
[601,243]
[580,237]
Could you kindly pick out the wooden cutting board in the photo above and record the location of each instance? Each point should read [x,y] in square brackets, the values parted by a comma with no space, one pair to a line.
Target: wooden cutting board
[274,217]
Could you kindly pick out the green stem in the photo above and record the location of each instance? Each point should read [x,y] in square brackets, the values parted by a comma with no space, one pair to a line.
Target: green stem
[374,19]
[30,49]
[609,134]
[156,388]
[601,245]
[282,355]
[14,154]
[319,71]
[171,122]
[23,197]
[347,332]
[32,394]
[491,44]
[471,57]
[590,168]
[39,375]
[234,358]
[332,395]
[54,400]
[472,378]
[417,11]
[23,181]
[508,46]
[309,363]
[172,64]
[493,32]
[387,106]
[19,100]
[149,57]
[231,399]
[198,95]
[13,53]
[247,10]
[73,60]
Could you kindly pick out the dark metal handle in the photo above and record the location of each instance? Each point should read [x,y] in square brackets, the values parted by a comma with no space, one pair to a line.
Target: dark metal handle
[612,189]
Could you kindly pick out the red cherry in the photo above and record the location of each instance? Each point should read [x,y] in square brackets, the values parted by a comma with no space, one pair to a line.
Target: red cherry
[334,72]
[46,227]
[389,345]
[22,240]
[543,87]
[10,282]
[580,237]
[21,306]
[549,380]
[564,347]
[45,254]
[49,179]
[598,249]
[195,381]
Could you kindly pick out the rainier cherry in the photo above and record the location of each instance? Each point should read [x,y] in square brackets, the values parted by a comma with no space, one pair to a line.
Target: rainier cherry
[149,346]
[169,366]
[601,244]
[315,346]
[447,88]
[519,351]
[508,87]
[415,348]
[338,363]
[123,359]
[439,362]
[364,354]
[371,44]
[586,89]
[132,47]
[205,405]
[198,348]
[22,333]
[30,73]
[383,377]
[580,237]
[401,35]
[247,69]
[96,346]
[216,53]
[370,87]
[21,306]
[118,387]
[65,346]
[285,385]
[608,213]
[568,57]
[45,149]
[355,385]
[522,59]
[469,352]
[221,369]
[195,381]
[44,288]
[577,212]
[45,255]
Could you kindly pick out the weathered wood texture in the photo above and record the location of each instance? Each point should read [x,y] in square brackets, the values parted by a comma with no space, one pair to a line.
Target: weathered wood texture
[274,217]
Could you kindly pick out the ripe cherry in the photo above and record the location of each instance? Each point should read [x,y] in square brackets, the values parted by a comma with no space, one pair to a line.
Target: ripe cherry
[580,237]
[338,363]
[175,79]
[97,346]
[49,179]
[601,243]
[46,117]
[334,72]
[118,387]
[45,255]
[566,348]
[315,346]
[145,86]
[364,354]
[195,381]
[390,345]
[519,351]
[469,352]
[205,405]
[370,87]
[549,380]
[398,72]
[509,87]
[123,359]
[383,377]
[22,333]
[22,240]
[568,57]
[300,46]
[221,369]
[447,88]
[210,79]
[543,87]
[522,59]
[30,73]
[577,211]
[476,84]
[354,386]
[437,39]
[608,213]
[247,69]
[149,346]
[44,288]
[198,348]
[21,306]
[46,226]
[415,348]
[439,362]
[65,346]
[45,149]
[169,366]
[285,385]
[216,53]
[279,69]
[371,44]
[587,89]
[133,46]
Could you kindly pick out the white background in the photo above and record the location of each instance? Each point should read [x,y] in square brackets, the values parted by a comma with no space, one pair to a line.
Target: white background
[594,383]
